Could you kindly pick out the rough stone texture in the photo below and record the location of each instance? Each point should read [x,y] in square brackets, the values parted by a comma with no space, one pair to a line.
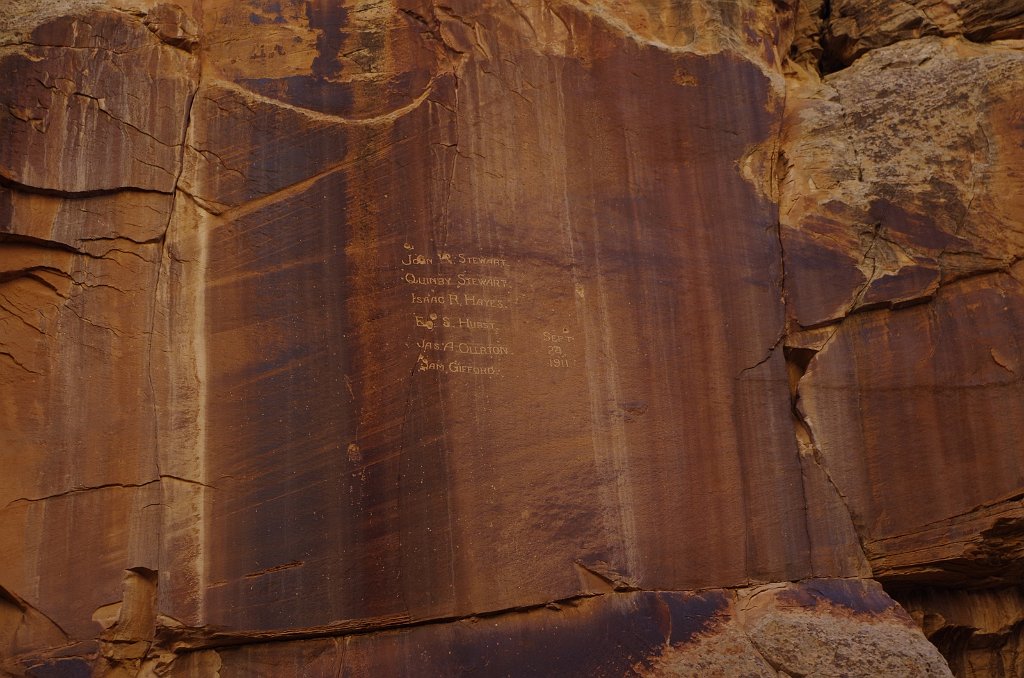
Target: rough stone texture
[511,338]
[82,88]
[835,628]
[881,203]
[857,26]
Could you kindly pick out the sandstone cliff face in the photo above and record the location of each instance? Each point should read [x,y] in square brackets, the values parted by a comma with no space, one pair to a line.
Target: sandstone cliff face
[511,338]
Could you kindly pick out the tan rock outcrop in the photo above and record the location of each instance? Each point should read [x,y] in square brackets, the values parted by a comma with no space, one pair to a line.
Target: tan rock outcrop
[855,27]
[882,203]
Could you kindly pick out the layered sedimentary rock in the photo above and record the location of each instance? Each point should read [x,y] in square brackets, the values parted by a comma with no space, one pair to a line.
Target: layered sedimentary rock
[578,338]
[853,27]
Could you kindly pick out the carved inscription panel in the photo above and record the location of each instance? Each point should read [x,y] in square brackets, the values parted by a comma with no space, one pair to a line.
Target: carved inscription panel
[457,379]
[467,314]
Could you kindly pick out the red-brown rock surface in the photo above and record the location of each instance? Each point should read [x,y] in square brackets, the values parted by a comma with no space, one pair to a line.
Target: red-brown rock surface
[511,338]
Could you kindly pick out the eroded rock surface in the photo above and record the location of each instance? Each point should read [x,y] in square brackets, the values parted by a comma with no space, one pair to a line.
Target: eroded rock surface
[854,27]
[880,204]
[511,338]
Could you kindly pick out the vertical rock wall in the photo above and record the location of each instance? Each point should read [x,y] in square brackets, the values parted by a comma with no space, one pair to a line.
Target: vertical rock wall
[511,338]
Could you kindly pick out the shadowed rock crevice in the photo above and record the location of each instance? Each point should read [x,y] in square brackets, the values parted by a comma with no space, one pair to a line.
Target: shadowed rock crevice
[830,35]
[978,631]
[839,541]
[854,27]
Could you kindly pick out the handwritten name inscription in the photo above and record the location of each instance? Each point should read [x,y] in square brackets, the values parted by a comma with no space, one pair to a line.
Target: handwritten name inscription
[461,313]
[460,280]
[449,258]
[455,296]
[463,299]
